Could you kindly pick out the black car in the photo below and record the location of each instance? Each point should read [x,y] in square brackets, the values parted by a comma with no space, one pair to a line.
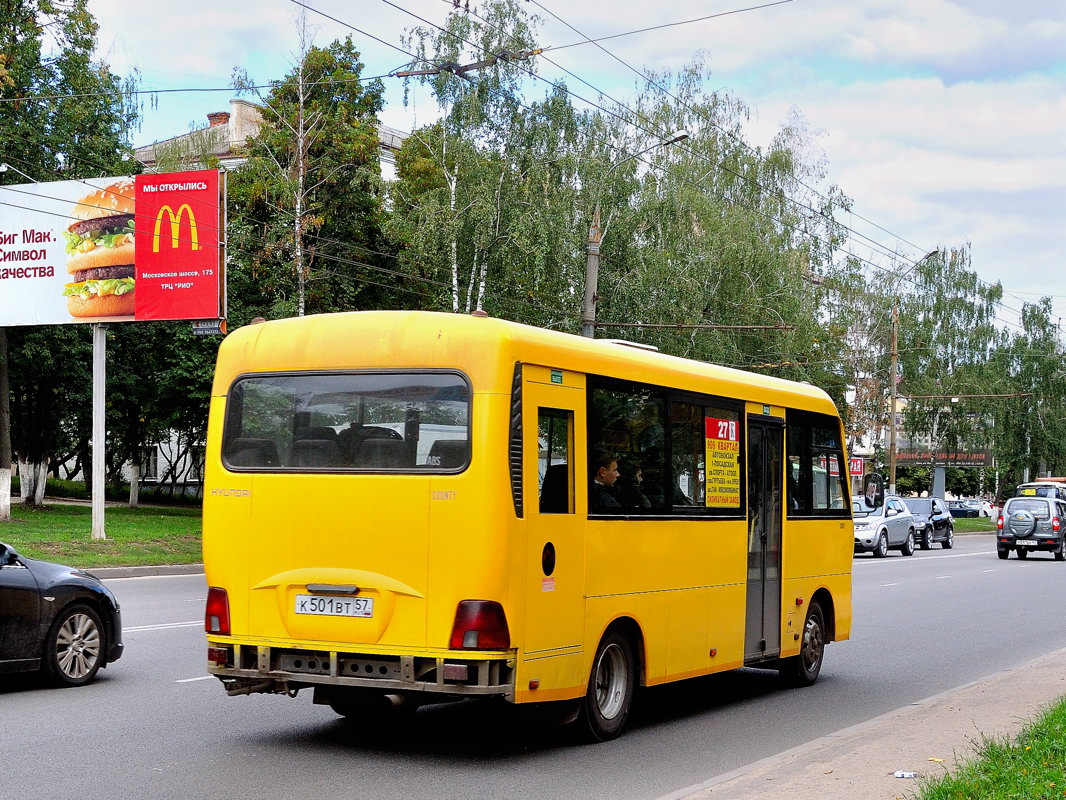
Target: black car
[959,508]
[932,521]
[59,620]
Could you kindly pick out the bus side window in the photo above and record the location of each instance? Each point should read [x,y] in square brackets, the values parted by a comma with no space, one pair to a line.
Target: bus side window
[554,437]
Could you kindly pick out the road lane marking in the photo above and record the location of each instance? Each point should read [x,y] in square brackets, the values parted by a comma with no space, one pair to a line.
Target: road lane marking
[162,627]
[943,577]
[889,584]
[904,560]
[192,680]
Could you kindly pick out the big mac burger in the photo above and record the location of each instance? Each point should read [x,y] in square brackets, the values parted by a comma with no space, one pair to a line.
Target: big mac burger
[100,253]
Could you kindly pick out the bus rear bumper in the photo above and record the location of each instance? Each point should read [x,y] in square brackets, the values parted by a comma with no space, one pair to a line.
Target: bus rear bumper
[253,669]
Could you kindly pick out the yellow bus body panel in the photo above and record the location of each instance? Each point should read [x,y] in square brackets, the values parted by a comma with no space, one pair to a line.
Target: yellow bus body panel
[426,542]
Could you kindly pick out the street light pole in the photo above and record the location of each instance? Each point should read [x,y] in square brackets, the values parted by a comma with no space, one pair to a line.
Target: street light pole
[592,249]
[892,402]
[893,377]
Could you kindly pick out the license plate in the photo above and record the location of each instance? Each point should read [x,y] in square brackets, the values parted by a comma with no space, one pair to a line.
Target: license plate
[328,606]
[1027,542]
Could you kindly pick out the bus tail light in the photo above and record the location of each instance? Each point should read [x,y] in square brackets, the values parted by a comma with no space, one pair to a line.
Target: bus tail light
[216,615]
[480,625]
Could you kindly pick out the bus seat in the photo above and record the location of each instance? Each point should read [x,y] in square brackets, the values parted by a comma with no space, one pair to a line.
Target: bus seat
[247,452]
[382,453]
[316,432]
[355,434]
[555,491]
[448,453]
[315,453]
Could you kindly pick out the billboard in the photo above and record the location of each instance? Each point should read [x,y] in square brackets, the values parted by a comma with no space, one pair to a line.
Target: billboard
[148,247]
[924,458]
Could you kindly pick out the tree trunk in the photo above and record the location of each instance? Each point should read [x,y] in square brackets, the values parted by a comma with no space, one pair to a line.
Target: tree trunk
[135,483]
[41,468]
[32,477]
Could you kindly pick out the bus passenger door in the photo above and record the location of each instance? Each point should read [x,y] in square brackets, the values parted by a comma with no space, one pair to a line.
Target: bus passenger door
[763,629]
[553,404]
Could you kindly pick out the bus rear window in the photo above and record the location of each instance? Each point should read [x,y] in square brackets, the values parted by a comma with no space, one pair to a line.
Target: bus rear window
[339,422]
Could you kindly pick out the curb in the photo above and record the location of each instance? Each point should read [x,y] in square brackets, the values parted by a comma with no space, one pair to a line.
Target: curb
[143,572]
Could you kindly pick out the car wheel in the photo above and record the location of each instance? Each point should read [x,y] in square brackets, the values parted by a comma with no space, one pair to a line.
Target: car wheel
[802,670]
[881,548]
[908,544]
[74,648]
[1003,554]
[927,537]
[1060,554]
[949,539]
[1022,553]
[610,690]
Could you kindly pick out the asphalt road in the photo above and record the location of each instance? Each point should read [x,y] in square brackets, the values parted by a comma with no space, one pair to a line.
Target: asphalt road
[154,726]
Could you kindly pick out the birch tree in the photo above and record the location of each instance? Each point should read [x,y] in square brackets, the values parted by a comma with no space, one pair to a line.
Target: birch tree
[306,208]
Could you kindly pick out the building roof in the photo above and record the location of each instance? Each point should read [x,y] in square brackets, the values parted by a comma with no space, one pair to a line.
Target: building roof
[228,131]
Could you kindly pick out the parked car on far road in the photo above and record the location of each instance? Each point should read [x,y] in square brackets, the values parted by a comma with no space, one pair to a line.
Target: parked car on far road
[887,527]
[959,508]
[1028,524]
[932,521]
[61,621]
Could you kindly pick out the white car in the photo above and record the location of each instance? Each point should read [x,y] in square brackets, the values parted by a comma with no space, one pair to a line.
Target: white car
[984,508]
[887,527]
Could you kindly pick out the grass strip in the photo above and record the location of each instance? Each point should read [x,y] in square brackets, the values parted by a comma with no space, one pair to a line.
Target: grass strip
[135,536]
[1031,768]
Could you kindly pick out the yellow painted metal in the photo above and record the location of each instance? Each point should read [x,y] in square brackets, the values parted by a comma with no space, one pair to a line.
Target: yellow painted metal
[424,543]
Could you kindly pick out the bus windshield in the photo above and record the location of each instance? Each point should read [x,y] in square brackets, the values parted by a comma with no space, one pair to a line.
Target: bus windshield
[365,421]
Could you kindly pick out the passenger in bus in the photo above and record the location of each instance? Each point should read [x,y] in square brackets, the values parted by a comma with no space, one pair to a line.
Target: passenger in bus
[603,495]
[629,485]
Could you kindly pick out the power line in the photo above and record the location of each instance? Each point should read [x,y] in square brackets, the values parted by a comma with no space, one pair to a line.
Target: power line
[661,27]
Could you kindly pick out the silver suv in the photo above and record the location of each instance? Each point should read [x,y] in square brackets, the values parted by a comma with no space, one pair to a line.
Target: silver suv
[1026,524]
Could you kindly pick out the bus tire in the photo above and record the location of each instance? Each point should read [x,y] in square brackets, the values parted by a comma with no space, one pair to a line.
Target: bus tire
[803,669]
[612,683]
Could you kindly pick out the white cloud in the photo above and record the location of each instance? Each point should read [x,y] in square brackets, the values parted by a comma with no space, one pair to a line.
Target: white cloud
[942,119]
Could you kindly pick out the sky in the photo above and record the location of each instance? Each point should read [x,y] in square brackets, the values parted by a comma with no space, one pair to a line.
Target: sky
[944,121]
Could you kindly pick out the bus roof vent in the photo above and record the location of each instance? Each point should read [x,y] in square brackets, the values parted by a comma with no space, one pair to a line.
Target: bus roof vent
[637,345]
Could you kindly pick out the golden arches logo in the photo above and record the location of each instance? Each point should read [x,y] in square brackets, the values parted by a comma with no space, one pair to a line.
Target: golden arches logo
[175,225]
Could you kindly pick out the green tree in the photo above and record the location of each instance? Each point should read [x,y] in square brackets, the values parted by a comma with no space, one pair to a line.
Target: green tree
[1029,424]
[456,189]
[62,116]
[306,209]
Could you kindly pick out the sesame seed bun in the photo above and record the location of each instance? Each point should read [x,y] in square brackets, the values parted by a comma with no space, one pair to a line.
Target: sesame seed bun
[110,201]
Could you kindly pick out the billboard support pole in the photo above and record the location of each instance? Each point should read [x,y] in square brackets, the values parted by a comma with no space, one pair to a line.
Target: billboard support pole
[99,430]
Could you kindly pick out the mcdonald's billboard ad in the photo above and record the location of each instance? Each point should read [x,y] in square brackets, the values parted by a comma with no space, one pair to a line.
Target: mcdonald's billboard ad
[149,247]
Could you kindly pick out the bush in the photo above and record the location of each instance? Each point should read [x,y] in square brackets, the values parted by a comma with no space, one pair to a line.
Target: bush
[153,495]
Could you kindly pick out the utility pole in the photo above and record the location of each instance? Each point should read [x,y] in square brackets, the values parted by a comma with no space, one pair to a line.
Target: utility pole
[592,276]
[592,265]
[894,377]
[892,401]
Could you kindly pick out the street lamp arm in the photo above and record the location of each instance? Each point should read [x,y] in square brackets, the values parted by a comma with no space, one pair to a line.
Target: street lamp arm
[4,167]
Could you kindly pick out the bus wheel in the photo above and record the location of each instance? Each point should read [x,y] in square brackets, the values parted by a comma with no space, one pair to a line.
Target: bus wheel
[802,670]
[611,686]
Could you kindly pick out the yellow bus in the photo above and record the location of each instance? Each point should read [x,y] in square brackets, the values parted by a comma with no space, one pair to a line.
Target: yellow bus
[404,507]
